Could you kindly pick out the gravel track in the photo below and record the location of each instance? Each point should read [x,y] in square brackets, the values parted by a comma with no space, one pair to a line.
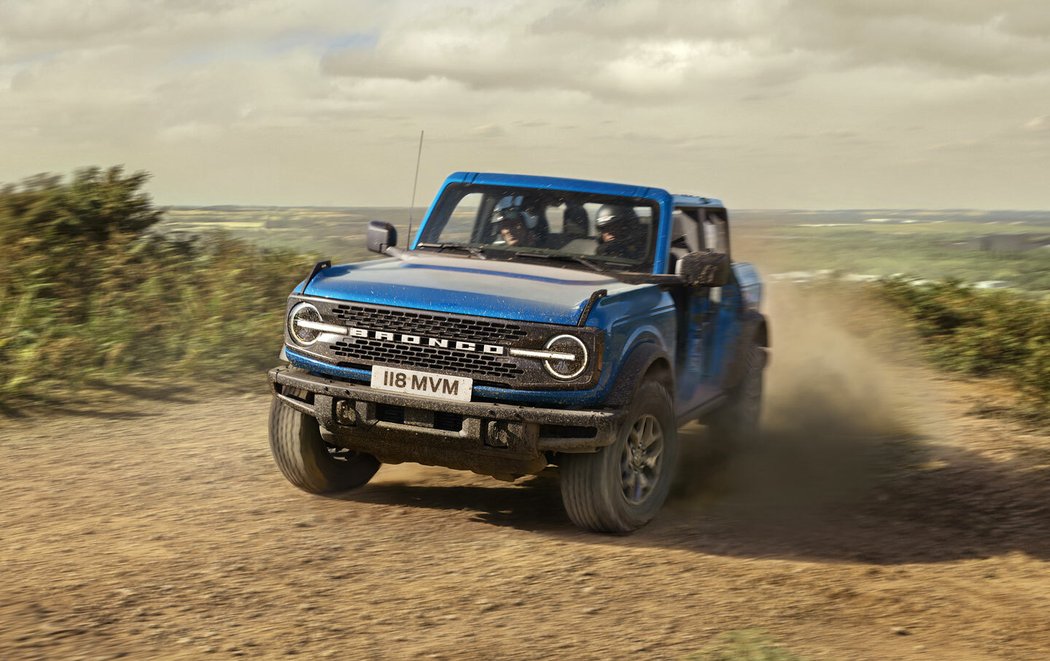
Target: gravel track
[160,528]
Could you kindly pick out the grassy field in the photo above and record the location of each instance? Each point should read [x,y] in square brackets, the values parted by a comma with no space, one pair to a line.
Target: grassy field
[936,245]
[330,232]
[924,244]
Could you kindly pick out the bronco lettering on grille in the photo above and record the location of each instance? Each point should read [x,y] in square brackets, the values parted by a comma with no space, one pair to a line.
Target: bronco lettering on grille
[419,340]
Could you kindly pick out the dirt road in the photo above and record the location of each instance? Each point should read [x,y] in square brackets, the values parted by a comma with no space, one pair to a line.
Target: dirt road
[164,530]
[161,528]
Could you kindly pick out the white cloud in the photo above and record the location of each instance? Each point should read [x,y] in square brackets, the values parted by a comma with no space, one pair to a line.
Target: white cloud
[489,131]
[189,131]
[620,47]
[1038,124]
[765,102]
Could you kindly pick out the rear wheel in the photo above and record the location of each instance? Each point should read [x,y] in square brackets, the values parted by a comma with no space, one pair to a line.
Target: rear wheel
[310,463]
[621,487]
[736,423]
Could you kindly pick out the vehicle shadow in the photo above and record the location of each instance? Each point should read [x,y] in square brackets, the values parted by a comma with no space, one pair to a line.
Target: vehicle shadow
[869,499]
[532,503]
[821,496]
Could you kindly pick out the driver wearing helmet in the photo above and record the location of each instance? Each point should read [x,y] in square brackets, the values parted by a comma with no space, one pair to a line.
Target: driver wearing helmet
[514,227]
[621,233]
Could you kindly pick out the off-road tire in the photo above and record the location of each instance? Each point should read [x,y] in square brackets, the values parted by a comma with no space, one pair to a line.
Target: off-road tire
[595,486]
[307,461]
[735,426]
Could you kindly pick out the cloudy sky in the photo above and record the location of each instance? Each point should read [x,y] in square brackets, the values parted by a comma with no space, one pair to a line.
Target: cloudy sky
[765,103]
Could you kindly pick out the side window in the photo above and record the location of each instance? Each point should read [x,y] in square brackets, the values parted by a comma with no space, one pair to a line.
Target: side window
[685,235]
[716,232]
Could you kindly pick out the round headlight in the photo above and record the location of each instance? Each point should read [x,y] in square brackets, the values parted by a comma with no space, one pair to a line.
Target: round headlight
[566,368]
[299,332]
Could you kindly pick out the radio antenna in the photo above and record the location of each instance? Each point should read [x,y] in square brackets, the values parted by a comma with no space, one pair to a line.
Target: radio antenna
[415,182]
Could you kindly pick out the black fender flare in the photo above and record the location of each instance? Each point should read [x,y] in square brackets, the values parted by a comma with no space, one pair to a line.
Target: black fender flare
[643,357]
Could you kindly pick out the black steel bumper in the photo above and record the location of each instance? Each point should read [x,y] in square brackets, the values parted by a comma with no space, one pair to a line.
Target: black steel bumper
[490,438]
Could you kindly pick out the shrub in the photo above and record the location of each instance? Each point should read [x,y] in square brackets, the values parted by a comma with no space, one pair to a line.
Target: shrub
[86,292]
[982,333]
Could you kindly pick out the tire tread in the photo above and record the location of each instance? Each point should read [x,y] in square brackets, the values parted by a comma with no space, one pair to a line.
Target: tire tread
[590,483]
[302,457]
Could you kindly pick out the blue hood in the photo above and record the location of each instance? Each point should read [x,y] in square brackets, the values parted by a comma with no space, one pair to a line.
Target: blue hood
[487,288]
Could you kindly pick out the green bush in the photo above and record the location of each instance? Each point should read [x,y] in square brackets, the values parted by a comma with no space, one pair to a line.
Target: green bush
[743,645]
[982,333]
[87,293]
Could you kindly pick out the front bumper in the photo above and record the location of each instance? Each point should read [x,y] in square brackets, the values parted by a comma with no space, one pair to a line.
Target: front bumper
[489,438]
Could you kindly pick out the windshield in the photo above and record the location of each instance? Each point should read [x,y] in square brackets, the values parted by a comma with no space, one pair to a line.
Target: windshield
[592,231]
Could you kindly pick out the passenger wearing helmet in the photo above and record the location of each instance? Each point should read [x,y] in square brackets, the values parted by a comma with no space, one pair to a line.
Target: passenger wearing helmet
[620,232]
[514,227]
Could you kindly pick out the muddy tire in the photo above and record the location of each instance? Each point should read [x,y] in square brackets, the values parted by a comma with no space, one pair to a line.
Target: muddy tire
[621,487]
[307,461]
[735,426]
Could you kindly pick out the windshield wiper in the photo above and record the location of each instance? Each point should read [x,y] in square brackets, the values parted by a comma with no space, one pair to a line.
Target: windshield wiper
[601,267]
[594,266]
[474,251]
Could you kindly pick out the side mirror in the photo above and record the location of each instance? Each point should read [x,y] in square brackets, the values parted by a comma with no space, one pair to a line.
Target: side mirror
[381,236]
[704,269]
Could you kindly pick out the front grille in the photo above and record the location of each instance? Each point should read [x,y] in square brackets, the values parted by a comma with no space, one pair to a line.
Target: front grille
[486,368]
[359,351]
[426,323]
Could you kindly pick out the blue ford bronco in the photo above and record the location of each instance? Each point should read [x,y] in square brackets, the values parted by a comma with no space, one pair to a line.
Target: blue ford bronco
[532,321]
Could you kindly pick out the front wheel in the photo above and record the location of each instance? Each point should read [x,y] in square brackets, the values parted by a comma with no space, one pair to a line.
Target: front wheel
[310,463]
[621,487]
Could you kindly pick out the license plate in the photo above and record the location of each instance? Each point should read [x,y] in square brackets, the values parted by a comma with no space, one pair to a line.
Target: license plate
[425,384]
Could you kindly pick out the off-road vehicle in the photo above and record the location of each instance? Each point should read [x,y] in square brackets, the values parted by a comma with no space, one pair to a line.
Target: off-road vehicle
[531,322]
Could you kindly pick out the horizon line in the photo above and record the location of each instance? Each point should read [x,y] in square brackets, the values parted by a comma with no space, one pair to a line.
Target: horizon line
[731,209]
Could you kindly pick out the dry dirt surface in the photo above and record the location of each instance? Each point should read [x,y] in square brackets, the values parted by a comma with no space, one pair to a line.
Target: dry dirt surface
[862,527]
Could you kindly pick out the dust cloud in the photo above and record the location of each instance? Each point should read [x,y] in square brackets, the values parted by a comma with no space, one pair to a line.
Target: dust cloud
[837,412]
[837,362]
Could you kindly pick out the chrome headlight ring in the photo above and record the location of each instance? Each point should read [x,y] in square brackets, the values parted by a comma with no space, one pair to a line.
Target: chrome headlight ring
[304,335]
[566,369]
